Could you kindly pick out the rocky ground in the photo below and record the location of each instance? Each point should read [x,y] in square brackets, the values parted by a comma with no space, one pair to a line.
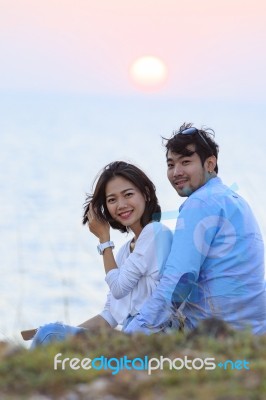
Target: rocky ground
[31,375]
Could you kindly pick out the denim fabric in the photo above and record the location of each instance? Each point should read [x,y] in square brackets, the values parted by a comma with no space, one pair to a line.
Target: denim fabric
[53,332]
[127,321]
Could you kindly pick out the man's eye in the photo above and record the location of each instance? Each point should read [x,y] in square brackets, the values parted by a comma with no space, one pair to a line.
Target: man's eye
[185,162]
[169,165]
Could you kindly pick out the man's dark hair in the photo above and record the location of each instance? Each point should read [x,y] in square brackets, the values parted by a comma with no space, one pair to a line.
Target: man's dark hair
[205,146]
[133,174]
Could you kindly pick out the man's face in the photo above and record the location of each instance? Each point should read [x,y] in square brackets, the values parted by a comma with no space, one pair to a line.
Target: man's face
[186,173]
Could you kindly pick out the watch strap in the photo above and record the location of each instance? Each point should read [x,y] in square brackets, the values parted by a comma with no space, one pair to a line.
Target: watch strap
[102,246]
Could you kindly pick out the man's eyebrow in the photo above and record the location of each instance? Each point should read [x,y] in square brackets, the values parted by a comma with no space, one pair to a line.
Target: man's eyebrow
[180,156]
[169,159]
[187,155]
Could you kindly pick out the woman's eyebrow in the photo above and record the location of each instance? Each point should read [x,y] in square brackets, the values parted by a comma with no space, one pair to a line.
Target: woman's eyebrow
[123,191]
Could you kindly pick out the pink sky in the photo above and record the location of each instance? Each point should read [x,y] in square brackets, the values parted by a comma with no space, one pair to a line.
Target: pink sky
[211,48]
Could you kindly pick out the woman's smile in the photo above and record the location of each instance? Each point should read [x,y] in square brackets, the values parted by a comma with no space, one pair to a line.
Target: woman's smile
[125,202]
[125,214]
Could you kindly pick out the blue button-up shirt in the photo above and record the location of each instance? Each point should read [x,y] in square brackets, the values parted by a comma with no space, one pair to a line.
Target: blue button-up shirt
[218,247]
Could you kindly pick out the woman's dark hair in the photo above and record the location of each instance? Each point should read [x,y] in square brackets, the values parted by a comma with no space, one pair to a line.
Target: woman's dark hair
[133,174]
[205,146]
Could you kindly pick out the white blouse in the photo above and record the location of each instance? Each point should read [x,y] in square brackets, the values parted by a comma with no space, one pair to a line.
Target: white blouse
[137,273]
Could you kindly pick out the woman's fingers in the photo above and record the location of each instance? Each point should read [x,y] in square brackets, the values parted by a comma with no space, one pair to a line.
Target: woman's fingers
[90,213]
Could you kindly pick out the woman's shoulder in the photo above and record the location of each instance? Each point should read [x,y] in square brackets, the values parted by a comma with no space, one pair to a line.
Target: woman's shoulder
[154,237]
[155,230]
[155,227]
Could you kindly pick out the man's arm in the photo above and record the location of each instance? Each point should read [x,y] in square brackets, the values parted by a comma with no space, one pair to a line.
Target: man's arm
[180,273]
[160,309]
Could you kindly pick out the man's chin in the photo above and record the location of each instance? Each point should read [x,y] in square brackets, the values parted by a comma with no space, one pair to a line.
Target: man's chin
[184,192]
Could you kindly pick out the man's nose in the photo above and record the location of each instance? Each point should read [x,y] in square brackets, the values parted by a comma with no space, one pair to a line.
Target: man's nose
[178,170]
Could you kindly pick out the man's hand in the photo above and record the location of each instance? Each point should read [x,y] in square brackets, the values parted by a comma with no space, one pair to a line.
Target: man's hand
[135,327]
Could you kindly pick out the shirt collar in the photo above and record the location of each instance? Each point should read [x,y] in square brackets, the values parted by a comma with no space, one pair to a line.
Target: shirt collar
[211,182]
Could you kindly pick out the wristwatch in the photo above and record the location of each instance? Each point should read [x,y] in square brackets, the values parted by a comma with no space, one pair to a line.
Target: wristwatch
[102,246]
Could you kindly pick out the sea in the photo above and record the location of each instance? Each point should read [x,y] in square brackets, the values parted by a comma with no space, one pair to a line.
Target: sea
[52,146]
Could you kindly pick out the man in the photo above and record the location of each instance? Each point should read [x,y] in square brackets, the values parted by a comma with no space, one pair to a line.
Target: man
[216,264]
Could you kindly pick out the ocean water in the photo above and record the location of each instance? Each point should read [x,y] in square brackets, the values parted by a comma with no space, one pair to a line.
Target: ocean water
[51,148]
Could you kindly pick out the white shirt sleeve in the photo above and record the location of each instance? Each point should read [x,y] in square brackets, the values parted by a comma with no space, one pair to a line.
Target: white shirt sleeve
[142,261]
[106,314]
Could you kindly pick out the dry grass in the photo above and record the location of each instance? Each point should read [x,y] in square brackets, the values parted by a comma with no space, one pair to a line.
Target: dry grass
[24,372]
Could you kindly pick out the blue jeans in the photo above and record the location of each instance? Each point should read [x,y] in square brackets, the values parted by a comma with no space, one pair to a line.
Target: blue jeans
[54,332]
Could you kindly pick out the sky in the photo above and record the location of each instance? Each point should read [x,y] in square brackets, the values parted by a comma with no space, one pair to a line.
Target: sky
[212,49]
[68,106]
[65,52]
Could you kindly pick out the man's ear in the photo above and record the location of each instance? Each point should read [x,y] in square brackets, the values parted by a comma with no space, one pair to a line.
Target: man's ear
[210,163]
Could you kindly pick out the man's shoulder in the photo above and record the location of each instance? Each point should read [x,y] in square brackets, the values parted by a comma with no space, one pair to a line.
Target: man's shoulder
[210,195]
[214,188]
[214,198]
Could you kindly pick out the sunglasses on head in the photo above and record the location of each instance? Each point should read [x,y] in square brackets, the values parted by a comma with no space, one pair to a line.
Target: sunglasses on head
[191,131]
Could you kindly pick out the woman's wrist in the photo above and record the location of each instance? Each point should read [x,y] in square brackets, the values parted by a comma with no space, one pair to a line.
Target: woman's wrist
[104,239]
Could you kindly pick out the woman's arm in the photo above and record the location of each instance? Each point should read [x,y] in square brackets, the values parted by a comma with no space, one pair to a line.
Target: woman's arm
[148,258]
[144,258]
[102,231]
[105,319]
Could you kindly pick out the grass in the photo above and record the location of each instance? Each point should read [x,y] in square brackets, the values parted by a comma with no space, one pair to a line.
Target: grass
[31,372]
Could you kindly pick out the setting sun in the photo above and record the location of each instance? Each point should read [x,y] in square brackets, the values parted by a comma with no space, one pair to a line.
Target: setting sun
[149,72]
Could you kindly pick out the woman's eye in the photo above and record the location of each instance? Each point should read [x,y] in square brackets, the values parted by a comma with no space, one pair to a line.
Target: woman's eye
[110,201]
[129,194]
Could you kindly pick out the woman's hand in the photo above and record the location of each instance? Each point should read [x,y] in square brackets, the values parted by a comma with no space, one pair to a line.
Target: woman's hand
[99,228]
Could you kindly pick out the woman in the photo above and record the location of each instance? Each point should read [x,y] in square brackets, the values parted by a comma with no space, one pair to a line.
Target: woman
[125,199]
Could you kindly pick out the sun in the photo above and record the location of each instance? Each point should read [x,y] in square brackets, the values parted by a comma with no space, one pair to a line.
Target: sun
[148,72]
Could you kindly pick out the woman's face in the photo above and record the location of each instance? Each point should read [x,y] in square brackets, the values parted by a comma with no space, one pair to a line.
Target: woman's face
[125,203]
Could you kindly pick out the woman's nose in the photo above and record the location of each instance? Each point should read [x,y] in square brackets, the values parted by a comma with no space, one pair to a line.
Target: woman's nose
[121,203]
